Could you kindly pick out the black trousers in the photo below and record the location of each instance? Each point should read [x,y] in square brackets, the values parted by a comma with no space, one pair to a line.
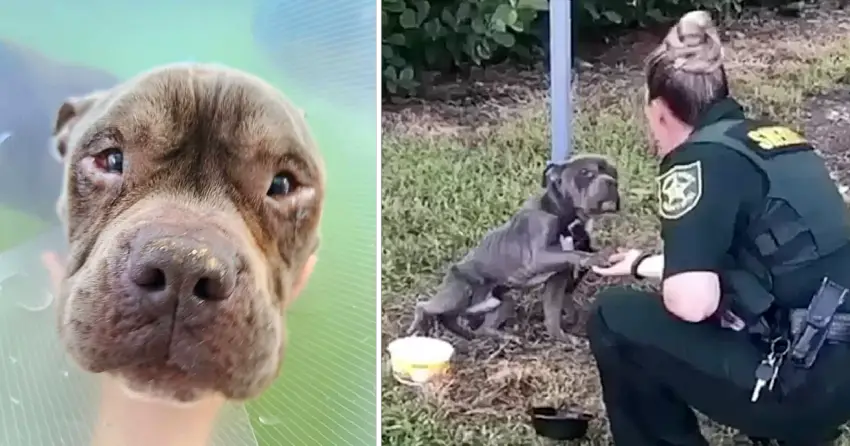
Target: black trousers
[655,367]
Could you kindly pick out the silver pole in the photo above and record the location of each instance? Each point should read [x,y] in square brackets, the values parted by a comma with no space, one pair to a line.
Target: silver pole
[560,78]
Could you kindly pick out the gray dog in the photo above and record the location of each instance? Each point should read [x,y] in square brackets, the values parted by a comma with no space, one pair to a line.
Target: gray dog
[542,243]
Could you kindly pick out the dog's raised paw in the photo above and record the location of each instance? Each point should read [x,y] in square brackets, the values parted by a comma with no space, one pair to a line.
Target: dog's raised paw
[597,259]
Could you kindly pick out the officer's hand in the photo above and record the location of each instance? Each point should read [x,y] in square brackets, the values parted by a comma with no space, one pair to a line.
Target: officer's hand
[621,263]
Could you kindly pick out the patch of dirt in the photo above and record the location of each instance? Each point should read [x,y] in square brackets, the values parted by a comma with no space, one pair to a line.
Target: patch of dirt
[828,128]
[487,97]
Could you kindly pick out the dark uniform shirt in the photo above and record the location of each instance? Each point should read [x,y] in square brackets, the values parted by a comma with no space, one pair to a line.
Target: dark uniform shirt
[708,187]
[706,194]
[32,87]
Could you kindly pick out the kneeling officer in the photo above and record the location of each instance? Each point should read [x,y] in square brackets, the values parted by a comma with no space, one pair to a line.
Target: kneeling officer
[752,327]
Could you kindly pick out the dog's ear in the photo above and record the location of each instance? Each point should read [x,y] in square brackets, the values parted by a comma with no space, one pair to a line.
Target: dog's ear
[69,113]
[550,174]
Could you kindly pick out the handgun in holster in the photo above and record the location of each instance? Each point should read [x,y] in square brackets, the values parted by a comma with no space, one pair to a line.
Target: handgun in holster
[808,341]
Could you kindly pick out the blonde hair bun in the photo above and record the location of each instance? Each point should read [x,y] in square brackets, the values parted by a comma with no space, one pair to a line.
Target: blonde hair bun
[693,45]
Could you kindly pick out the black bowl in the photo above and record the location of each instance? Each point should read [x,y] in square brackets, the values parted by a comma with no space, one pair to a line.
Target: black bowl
[559,424]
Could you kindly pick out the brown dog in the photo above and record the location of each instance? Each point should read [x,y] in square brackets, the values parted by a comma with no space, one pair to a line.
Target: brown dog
[192,198]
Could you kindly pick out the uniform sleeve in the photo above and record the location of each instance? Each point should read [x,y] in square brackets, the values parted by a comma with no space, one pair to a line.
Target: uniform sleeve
[701,190]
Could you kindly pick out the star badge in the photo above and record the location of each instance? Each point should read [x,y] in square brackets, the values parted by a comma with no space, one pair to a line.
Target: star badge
[679,190]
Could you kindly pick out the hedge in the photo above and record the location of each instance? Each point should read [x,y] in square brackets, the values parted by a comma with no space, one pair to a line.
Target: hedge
[449,36]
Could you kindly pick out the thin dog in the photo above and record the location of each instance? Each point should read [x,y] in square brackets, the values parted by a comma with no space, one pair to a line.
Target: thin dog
[527,251]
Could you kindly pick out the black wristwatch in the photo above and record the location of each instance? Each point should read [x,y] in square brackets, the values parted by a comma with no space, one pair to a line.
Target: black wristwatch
[637,262]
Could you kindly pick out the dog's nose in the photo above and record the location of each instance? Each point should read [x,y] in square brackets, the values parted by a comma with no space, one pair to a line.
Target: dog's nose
[163,268]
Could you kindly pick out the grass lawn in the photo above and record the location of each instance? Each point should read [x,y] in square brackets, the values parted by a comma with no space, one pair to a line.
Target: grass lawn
[443,187]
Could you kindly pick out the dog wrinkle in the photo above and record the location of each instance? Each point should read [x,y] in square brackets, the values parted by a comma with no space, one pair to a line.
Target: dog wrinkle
[194,137]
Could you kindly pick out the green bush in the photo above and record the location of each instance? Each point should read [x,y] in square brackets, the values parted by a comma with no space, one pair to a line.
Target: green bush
[453,35]
[446,35]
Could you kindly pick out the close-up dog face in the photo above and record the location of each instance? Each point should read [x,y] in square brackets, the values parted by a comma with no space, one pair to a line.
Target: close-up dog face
[192,197]
[588,181]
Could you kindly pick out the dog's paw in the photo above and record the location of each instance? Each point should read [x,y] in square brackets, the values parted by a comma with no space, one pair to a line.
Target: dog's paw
[570,341]
[562,336]
[420,327]
[555,332]
[599,259]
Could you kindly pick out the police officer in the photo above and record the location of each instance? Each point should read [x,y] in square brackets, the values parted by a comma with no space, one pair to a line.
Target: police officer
[755,260]
[32,88]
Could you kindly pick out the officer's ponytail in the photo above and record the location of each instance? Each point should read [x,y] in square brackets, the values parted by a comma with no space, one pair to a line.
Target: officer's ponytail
[686,70]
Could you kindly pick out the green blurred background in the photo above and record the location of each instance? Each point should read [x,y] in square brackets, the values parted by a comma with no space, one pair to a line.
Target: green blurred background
[327,392]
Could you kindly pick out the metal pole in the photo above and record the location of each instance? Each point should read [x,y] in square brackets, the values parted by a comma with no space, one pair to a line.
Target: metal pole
[560,79]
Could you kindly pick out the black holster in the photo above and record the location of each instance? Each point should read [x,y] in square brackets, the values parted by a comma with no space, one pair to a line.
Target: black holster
[806,343]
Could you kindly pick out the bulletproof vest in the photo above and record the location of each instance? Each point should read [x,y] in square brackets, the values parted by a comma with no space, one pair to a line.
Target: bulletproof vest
[793,225]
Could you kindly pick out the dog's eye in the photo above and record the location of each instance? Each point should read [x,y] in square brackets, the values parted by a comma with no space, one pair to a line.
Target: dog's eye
[282,184]
[585,172]
[110,161]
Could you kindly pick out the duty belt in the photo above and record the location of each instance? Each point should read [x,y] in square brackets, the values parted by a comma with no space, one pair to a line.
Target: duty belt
[838,331]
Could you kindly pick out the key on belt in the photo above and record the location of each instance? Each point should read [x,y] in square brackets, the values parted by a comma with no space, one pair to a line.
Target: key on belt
[768,369]
[764,375]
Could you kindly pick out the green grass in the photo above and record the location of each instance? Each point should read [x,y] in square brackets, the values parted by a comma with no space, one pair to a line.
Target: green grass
[441,193]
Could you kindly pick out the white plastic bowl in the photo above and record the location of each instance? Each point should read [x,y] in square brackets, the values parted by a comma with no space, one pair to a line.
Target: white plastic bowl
[417,359]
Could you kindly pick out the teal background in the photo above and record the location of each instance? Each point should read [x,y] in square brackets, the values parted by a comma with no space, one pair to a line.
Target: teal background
[327,393]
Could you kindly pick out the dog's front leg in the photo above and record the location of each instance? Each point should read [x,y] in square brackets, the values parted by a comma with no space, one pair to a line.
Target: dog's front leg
[554,260]
[573,278]
[553,303]
[554,300]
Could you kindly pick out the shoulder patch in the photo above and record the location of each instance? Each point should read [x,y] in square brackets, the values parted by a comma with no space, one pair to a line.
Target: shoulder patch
[771,137]
[679,190]
[767,139]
